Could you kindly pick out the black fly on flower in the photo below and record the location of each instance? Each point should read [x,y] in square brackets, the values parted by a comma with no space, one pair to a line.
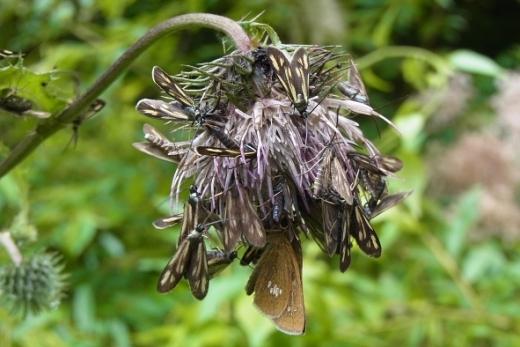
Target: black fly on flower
[264,177]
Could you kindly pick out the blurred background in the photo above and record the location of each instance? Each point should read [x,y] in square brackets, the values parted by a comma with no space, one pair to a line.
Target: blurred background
[446,72]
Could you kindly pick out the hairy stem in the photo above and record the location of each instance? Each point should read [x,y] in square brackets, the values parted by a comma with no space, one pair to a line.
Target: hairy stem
[50,126]
[8,243]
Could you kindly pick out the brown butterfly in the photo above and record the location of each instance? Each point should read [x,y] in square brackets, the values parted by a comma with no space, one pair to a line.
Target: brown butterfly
[277,283]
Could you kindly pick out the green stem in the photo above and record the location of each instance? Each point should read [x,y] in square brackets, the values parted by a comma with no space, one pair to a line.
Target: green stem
[50,126]
[438,62]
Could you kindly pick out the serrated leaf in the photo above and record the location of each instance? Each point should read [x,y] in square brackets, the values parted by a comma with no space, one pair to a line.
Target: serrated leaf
[49,91]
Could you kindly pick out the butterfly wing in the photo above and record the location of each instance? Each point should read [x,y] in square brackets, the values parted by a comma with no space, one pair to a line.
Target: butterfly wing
[292,319]
[271,278]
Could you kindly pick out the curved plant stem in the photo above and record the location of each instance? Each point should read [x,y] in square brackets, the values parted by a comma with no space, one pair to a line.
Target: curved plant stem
[438,62]
[51,125]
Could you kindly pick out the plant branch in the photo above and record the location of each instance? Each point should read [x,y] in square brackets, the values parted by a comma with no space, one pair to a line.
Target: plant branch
[67,115]
[438,62]
[14,253]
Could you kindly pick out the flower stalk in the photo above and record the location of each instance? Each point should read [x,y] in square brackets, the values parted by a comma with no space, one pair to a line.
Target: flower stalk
[66,116]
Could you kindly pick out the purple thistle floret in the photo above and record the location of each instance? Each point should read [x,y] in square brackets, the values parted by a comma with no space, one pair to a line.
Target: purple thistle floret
[263,172]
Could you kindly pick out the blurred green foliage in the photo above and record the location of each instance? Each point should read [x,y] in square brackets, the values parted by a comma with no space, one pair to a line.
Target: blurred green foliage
[433,286]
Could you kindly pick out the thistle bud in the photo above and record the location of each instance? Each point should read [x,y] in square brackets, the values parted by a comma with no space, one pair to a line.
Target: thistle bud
[36,284]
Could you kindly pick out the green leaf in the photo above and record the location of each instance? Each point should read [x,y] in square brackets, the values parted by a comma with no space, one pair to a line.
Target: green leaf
[482,260]
[472,62]
[466,214]
[84,308]
[49,91]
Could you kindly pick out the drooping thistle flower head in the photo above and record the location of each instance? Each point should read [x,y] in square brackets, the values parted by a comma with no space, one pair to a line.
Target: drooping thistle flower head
[34,285]
[276,157]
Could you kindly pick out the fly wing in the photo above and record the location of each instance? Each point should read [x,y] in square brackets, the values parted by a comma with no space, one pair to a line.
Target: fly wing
[251,226]
[331,226]
[168,85]
[175,269]
[340,182]
[232,228]
[159,146]
[197,273]
[354,79]
[388,163]
[218,261]
[323,176]
[222,152]
[190,219]
[300,75]
[387,202]
[344,244]
[282,70]
[159,109]
[251,256]
[364,234]
[166,222]
[155,151]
